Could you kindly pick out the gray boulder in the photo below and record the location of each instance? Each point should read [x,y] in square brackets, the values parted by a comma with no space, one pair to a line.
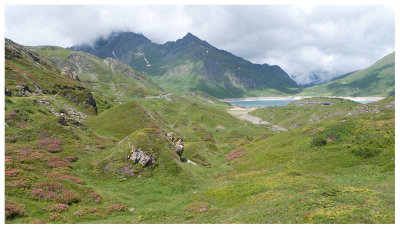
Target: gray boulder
[139,156]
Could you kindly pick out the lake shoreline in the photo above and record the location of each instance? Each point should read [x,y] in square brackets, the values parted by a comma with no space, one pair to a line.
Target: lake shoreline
[356,99]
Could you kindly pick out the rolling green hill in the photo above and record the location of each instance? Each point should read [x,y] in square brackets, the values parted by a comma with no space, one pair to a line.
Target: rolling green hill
[376,80]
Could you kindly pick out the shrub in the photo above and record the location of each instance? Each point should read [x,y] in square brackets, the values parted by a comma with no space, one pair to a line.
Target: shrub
[115,207]
[12,173]
[365,152]
[39,221]
[237,153]
[57,208]
[10,115]
[208,137]
[62,110]
[89,211]
[66,177]
[13,209]
[72,158]
[54,191]
[17,184]
[59,162]
[197,207]
[55,216]
[50,145]
[95,197]
[318,141]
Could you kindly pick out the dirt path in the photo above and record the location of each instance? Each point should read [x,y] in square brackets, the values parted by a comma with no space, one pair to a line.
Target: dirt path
[243,114]
[253,119]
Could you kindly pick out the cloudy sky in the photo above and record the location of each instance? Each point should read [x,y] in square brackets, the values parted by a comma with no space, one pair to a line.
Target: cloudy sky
[304,40]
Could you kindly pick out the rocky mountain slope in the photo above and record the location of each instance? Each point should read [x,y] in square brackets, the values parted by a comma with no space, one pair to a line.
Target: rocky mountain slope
[191,64]
[109,76]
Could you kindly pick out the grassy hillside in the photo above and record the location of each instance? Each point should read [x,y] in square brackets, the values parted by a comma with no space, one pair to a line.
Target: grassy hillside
[112,78]
[27,73]
[65,163]
[305,111]
[376,80]
[335,171]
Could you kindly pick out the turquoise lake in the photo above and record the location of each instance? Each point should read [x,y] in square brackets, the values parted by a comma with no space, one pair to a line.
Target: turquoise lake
[269,103]
[262,103]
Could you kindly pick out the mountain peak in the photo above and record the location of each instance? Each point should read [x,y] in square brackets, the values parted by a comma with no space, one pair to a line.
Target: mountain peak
[190,36]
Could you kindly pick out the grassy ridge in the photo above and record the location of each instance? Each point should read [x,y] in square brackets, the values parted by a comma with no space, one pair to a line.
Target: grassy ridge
[297,114]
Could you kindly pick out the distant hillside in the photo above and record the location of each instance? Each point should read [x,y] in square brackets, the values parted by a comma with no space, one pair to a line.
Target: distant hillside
[190,64]
[376,80]
[29,74]
[113,78]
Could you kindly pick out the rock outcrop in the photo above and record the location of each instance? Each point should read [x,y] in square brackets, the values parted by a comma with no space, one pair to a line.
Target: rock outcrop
[67,71]
[179,146]
[140,157]
[177,143]
[81,60]
[91,101]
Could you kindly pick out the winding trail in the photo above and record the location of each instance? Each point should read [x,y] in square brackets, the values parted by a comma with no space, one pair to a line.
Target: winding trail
[243,114]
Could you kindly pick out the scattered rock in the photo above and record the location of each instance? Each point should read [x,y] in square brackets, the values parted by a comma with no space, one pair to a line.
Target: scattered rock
[220,127]
[390,105]
[82,61]
[188,161]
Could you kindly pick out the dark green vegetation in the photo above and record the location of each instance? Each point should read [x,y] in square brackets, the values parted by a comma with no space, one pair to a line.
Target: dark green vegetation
[376,80]
[65,163]
[190,64]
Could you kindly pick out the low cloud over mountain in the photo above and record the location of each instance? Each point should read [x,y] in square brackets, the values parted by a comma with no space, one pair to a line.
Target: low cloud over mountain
[322,41]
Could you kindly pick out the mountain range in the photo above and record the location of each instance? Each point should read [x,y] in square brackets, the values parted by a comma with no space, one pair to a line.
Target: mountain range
[191,64]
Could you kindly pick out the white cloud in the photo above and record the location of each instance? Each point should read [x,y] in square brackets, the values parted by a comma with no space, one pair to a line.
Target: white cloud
[328,40]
